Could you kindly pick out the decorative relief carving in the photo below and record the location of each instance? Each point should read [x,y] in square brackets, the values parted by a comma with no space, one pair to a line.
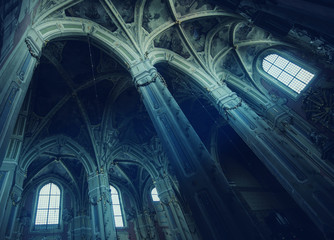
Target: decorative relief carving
[318,45]
[155,14]
[319,107]
[94,11]
[47,5]
[25,217]
[171,40]
[33,50]
[67,215]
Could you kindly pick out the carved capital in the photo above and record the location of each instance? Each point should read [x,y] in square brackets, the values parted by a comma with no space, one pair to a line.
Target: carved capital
[32,48]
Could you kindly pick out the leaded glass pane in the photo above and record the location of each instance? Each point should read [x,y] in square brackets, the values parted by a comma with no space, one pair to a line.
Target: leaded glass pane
[286,72]
[281,62]
[305,76]
[53,216]
[54,189]
[117,210]
[297,85]
[266,65]
[54,202]
[285,78]
[154,194]
[292,69]
[48,204]
[271,58]
[114,199]
[116,207]
[43,202]
[41,217]
[45,190]
[274,71]
[113,190]
[118,221]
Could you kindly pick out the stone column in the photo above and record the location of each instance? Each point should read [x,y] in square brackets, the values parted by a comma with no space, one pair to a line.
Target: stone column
[217,212]
[176,219]
[101,206]
[15,78]
[145,226]
[10,216]
[287,162]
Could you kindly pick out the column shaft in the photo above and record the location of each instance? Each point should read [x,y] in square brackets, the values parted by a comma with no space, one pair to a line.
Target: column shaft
[289,163]
[102,215]
[217,212]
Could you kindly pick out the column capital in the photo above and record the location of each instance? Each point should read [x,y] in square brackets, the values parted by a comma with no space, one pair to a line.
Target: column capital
[142,72]
[34,44]
[224,97]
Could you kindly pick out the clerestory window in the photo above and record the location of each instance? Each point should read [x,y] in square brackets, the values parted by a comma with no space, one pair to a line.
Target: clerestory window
[116,205]
[154,195]
[290,74]
[48,207]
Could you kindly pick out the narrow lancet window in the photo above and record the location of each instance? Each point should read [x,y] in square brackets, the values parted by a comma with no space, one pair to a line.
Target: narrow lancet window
[48,205]
[154,195]
[288,73]
[116,205]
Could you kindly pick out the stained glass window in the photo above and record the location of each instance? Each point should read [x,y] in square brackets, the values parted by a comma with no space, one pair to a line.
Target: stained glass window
[48,206]
[154,195]
[288,73]
[116,205]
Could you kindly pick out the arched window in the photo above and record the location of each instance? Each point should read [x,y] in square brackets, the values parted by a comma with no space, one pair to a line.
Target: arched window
[116,205]
[154,195]
[48,207]
[286,72]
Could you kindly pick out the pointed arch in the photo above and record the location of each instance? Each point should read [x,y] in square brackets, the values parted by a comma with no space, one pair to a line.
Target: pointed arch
[63,141]
[49,30]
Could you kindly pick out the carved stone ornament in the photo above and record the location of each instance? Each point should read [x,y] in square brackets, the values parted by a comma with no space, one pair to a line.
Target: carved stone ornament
[33,49]
[319,107]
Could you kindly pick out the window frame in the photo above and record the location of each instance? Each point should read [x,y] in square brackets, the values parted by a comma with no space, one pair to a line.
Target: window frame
[57,229]
[121,206]
[275,82]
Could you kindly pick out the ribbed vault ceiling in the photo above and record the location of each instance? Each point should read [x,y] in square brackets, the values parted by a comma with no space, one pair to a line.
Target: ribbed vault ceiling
[98,107]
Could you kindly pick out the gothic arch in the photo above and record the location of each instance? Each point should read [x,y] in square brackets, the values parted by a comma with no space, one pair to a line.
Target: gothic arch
[77,28]
[133,153]
[201,78]
[63,141]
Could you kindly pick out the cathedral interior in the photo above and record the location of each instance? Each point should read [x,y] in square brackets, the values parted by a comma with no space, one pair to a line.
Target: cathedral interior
[167,119]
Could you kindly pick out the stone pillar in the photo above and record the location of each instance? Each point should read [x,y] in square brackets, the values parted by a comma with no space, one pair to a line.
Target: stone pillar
[289,163]
[217,212]
[101,206]
[15,78]
[10,215]
[176,219]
